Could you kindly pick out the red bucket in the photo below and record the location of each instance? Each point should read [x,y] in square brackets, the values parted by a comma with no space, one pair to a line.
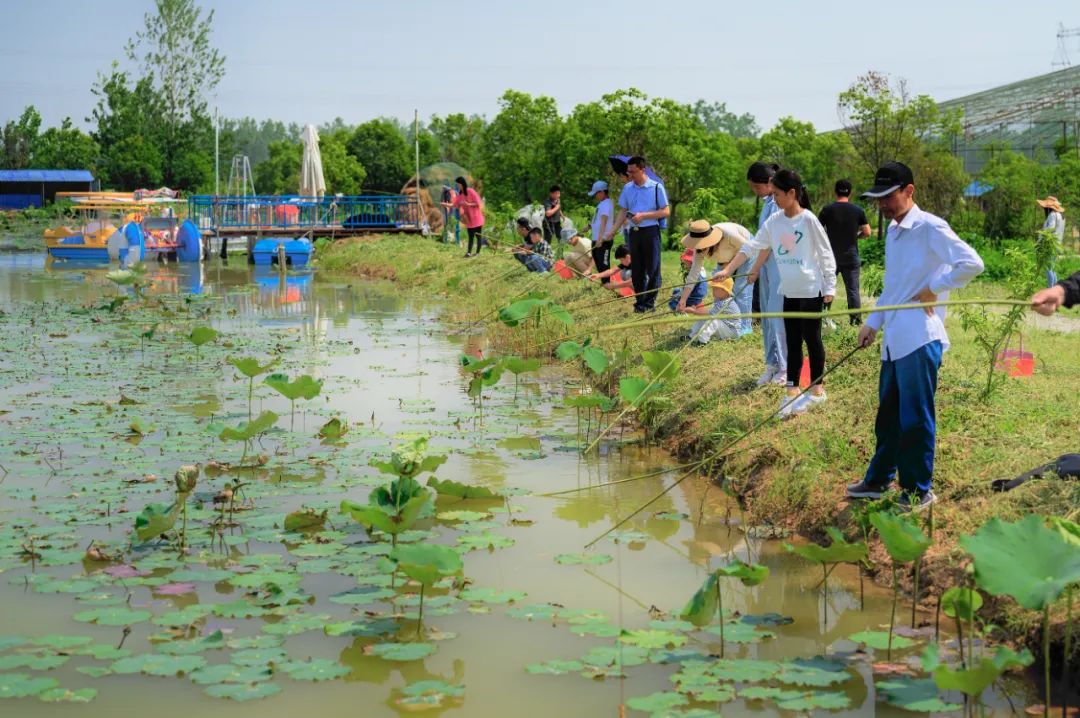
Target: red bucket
[562,270]
[1016,362]
[626,291]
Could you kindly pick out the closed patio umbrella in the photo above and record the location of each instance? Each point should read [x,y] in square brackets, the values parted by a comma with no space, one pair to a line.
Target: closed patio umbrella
[312,183]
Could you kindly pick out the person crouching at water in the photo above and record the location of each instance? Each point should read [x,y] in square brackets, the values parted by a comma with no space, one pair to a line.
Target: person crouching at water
[579,256]
[693,284]
[717,327]
[535,254]
[807,281]
[620,275]
[468,201]
[719,243]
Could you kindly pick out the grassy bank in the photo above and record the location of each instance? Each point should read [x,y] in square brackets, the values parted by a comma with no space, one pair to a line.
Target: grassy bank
[790,476]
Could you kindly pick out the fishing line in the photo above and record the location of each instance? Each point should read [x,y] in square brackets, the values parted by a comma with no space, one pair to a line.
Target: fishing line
[843,360]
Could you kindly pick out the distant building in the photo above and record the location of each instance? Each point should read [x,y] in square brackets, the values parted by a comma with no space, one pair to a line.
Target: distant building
[33,188]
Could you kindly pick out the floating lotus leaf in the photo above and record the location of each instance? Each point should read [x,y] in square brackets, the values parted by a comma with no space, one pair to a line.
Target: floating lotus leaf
[736,632]
[449,487]
[476,594]
[489,541]
[231,673]
[462,515]
[61,643]
[20,685]
[535,611]
[333,429]
[879,640]
[586,559]
[66,695]
[516,365]
[31,661]
[316,669]
[243,691]
[157,664]
[652,638]
[813,701]
[1025,560]
[914,694]
[555,667]
[904,541]
[401,651]
[657,702]
[303,387]
[767,619]
[617,656]
[304,520]
[112,616]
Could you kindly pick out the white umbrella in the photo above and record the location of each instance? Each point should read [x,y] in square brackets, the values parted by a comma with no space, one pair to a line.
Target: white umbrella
[312,183]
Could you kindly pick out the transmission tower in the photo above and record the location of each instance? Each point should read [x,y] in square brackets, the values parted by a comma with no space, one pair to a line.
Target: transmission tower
[1061,55]
[241,182]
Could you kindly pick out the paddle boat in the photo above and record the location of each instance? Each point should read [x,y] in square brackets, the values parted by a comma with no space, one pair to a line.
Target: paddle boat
[116,230]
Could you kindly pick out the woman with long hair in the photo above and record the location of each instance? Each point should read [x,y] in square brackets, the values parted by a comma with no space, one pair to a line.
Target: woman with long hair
[807,280]
[468,201]
[765,277]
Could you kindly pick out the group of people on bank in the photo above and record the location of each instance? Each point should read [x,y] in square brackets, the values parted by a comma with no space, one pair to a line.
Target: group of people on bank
[792,263]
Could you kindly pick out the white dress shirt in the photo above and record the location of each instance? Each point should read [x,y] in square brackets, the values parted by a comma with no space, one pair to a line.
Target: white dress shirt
[921,251]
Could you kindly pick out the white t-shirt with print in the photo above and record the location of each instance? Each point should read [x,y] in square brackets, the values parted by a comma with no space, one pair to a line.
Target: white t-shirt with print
[802,252]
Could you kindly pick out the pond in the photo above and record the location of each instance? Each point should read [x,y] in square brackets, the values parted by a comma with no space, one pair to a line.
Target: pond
[101,405]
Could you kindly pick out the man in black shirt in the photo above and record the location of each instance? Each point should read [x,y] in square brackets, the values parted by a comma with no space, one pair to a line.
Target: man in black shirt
[1065,293]
[845,223]
[553,215]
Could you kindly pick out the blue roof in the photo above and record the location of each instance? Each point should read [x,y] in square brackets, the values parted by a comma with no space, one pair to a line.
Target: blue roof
[46,176]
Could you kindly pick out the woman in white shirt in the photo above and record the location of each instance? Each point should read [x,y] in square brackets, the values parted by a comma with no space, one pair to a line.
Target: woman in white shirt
[807,280]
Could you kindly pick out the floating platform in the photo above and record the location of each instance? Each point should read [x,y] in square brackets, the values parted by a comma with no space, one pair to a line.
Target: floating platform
[272,250]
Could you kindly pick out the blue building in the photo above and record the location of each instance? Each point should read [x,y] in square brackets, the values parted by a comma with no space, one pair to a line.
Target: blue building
[33,188]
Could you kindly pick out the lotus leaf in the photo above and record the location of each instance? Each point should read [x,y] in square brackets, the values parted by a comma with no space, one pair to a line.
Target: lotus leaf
[303,387]
[156,519]
[65,695]
[919,695]
[231,673]
[250,366]
[904,541]
[246,432]
[449,487]
[662,365]
[961,602]
[880,640]
[657,702]
[632,389]
[973,681]
[652,638]
[402,651]
[20,685]
[427,563]
[304,520]
[490,595]
[202,335]
[334,429]
[1025,560]
[555,667]
[588,559]
[157,664]
[243,691]
[569,350]
[316,669]
[516,365]
[838,551]
[112,616]
[596,359]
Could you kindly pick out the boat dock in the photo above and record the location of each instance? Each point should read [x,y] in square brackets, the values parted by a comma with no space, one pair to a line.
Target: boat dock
[256,216]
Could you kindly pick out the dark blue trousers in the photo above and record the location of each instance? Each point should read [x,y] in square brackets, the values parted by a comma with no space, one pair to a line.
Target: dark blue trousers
[644,246]
[906,423]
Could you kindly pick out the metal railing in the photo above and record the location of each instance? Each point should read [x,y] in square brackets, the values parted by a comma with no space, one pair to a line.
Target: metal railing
[263,212]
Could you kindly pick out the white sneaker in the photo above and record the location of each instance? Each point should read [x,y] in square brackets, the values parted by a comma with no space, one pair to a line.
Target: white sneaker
[813,400]
[779,377]
[768,376]
[790,405]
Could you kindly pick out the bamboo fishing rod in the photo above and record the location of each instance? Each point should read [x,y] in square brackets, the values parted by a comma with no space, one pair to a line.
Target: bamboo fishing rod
[719,452]
[807,315]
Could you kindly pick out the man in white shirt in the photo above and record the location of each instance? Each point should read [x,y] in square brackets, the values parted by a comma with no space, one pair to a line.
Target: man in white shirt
[924,259]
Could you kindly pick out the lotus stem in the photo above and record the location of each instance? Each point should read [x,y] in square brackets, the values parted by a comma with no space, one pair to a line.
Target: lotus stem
[892,614]
[825,594]
[1046,658]
[720,610]
[960,639]
[915,591]
[420,620]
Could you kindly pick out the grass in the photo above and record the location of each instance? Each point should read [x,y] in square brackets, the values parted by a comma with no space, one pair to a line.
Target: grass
[795,474]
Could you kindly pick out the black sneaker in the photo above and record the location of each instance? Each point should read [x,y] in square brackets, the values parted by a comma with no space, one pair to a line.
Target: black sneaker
[915,502]
[863,490]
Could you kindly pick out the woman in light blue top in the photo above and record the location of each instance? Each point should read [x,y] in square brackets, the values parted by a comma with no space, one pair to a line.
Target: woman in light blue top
[767,275]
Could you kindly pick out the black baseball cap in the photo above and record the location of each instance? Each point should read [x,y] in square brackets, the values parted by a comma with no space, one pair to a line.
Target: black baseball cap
[890,177]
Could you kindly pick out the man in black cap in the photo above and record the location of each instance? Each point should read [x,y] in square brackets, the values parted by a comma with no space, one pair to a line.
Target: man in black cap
[924,259]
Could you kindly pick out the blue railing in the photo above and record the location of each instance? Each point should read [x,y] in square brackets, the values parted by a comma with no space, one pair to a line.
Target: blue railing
[268,212]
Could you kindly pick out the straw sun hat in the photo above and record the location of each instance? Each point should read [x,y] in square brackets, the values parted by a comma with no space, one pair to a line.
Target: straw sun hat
[703,235]
[1050,203]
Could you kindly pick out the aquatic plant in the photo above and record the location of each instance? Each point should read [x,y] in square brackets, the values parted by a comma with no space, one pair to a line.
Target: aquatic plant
[246,432]
[1031,563]
[904,542]
[251,368]
[838,551]
[201,335]
[708,600]
[426,564]
[303,387]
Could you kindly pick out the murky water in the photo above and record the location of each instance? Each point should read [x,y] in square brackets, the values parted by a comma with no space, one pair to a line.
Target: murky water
[75,378]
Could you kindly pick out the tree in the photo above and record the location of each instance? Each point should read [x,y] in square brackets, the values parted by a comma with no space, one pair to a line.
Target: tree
[344,174]
[819,158]
[280,173]
[175,53]
[128,122]
[716,118]
[458,137]
[513,160]
[1010,207]
[17,139]
[250,137]
[381,149]
[65,147]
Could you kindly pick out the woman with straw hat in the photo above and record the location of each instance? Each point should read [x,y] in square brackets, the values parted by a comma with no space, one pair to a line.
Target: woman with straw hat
[1055,222]
[719,243]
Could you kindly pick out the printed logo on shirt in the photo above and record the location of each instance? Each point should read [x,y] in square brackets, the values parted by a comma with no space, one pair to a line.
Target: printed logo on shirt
[788,242]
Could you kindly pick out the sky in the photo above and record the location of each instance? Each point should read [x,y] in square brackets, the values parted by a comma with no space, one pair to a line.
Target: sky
[313,60]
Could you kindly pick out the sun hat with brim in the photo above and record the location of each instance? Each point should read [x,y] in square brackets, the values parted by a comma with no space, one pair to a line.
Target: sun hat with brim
[701,235]
[1050,203]
[890,177]
[727,284]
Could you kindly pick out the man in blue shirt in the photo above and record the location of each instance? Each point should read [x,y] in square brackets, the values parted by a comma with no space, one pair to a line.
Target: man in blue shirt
[646,203]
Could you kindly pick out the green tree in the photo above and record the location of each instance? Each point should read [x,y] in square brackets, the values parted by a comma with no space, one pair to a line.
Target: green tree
[820,159]
[344,173]
[458,137]
[716,118]
[176,55]
[1010,207]
[514,159]
[128,121]
[17,139]
[65,147]
[248,136]
[280,173]
[381,149]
